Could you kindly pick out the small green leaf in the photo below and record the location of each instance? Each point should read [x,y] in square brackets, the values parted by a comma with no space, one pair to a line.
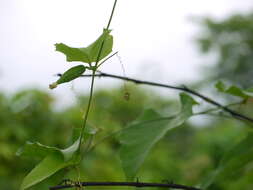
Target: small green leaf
[89,54]
[232,162]
[54,160]
[140,136]
[220,86]
[233,90]
[71,74]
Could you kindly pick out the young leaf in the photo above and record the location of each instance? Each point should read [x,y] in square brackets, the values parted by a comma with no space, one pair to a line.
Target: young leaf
[69,75]
[89,54]
[232,162]
[54,160]
[233,90]
[139,137]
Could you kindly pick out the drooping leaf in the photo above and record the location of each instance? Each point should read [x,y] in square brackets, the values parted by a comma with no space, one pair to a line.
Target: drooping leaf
[234,90]
[54,160]
[90,53]
[71,74]
[232,162]
[140,136]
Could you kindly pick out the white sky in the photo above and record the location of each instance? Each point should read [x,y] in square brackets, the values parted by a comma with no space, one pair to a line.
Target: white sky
[154,38]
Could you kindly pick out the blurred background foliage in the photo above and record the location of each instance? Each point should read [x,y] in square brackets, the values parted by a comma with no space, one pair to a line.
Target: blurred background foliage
[231,41]
[186,155]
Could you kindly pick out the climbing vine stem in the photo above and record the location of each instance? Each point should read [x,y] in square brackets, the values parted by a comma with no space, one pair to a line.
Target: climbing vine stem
[93,80]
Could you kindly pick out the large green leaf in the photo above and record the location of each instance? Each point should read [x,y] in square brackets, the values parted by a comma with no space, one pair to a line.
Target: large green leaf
[89,54]
[140,136]
[54,160]
[234,90]
[47,167]
[232,162]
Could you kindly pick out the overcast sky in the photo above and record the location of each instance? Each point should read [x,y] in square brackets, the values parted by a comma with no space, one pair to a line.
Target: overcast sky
[154,38]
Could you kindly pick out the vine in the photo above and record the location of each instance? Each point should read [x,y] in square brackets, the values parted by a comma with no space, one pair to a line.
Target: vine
[134,145]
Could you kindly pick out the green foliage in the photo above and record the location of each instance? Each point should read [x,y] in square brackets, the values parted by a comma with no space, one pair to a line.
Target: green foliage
[71,74]
[185,155]
[138,138]
[233,162]
[90,53]
[231,40]
[54,160]
[233,90]
[148,130]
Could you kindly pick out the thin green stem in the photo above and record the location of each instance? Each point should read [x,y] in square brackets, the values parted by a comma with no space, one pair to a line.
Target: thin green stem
[92,82]
[87,110]
[106,59]
[107,28]
[113,9]
[216,109]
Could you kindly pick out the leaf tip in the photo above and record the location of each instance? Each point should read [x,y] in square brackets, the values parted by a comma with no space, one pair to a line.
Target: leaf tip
[53,85]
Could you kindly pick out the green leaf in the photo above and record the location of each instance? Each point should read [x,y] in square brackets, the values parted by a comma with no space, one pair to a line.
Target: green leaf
[71,74]
[47,167]
[36,150]
[89,54]
[232,162]
[94,48]
[233,90]
[73,54]
[140,136]
[54,160]
[220,86]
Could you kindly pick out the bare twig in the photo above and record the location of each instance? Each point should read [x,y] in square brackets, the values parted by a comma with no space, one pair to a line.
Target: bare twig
[133,184]
[180,88]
